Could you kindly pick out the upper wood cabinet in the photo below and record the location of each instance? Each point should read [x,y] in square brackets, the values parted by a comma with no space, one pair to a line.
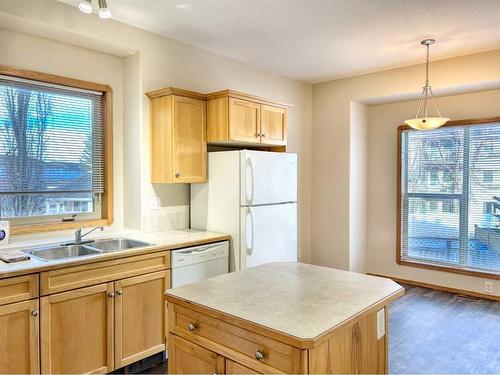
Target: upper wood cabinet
[178,136]
[237,118]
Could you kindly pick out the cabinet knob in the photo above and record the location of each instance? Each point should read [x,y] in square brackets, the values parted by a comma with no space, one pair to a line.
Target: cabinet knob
[111,294]
[259,355]
[263,135]
[34,312]
[192,327]
[120,292]
[177,175]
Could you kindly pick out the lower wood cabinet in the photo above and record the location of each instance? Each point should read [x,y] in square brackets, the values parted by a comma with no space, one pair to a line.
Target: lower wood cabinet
[19,346]
[186,357]
[233,367]
[140,319]
[104,327]
[77,331]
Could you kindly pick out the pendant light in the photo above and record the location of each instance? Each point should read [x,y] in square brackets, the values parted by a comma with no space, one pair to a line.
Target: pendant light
[424,122]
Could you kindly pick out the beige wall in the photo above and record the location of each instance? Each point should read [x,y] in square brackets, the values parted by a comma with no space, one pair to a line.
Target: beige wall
[151,62]
[40,54]
[382,177]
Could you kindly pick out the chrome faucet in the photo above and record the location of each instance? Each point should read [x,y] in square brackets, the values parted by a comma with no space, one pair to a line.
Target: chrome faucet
[79,235]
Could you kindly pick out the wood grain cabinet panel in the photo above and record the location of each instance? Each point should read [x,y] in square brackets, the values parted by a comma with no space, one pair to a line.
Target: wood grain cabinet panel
[233,367]
[189,140]
[178,136]
[77,331]
[19,345]
[236,118]
[273,125]
[244,121]
[140,318]
[20,288]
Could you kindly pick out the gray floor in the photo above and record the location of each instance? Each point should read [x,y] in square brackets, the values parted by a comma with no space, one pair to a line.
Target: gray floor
[434,332]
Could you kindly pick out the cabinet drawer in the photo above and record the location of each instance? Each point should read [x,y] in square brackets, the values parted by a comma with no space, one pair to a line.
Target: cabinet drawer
[278,355]
[20,288]
[68,278]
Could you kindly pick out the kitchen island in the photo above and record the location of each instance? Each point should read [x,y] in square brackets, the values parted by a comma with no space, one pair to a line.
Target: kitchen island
[281,318]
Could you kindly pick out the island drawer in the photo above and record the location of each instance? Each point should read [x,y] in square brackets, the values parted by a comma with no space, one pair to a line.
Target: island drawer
[253,349]
[68,278]
[20,288]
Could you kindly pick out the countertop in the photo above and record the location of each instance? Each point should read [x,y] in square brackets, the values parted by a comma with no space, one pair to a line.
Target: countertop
[297,299]
[167,240]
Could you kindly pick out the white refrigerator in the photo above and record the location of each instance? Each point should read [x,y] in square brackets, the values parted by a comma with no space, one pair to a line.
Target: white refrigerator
[251,195]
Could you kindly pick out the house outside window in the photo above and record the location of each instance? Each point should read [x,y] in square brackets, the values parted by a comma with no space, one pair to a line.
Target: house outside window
[462,160]
[52,152]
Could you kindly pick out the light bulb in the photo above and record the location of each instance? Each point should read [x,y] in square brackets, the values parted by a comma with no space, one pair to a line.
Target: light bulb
[104,11]
[85,6]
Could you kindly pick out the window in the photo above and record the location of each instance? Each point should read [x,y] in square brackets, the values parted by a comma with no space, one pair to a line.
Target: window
[52,151]
[449,198]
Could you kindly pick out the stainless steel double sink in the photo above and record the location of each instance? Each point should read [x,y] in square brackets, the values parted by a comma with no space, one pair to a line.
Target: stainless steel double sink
[59,252]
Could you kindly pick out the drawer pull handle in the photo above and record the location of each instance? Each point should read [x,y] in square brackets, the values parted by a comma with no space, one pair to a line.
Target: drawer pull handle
[34,312]
[192,327]
[259,355]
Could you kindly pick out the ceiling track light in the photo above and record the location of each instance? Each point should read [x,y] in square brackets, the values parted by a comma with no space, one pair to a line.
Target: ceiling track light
[86,7]
[104,11]
[424,122]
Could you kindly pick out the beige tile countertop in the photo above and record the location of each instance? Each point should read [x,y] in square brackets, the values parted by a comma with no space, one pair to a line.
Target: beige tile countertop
[296,299]
[167,240]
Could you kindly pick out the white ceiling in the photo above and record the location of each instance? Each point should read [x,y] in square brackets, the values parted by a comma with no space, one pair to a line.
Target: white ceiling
[319,40]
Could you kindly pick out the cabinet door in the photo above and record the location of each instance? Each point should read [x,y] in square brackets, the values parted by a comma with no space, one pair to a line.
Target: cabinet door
[77,331]
[186,357]
[140,319]
[244,121]
[273,125]
[189,140]
[233,367]
[19,338]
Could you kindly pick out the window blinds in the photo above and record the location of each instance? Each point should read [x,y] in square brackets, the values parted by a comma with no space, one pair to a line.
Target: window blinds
[51,139]
[450,196]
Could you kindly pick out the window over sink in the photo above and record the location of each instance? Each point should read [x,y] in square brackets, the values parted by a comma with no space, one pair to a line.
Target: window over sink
[54,150]
[449,197]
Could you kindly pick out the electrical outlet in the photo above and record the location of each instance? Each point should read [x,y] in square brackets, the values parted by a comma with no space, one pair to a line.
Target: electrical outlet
[380,324]
[488,287]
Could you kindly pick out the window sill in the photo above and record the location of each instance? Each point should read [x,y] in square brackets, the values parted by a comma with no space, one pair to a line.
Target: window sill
[436,267]
[52,227]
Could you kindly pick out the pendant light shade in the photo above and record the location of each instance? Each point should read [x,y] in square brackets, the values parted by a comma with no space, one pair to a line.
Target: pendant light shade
[422,120]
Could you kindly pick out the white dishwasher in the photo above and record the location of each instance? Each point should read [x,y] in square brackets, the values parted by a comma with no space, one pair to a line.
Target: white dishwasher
[193,264]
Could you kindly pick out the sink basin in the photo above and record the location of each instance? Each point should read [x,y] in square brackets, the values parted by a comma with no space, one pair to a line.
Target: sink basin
[117,244]
[62,252]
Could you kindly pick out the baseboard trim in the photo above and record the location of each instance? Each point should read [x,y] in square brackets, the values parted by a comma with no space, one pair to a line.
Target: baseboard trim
[462,292]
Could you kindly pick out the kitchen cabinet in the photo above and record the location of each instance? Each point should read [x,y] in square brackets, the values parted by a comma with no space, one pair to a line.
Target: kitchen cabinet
[140,319]
[186,357]
[104,327]
[235,118]
[233,367]
[178,136]
[19,348]
[77,331]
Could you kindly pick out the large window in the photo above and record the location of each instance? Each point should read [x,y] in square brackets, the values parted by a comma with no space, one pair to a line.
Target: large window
[52,151]
[449,197]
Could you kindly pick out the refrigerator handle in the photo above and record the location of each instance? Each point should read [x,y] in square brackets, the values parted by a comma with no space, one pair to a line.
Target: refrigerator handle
[250,220]
[249,195]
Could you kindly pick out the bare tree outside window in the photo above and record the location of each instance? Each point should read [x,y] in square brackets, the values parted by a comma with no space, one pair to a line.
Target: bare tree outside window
[25,131]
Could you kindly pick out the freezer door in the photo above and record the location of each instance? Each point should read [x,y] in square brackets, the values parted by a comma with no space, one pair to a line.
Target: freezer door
[268,177]
[269,234]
